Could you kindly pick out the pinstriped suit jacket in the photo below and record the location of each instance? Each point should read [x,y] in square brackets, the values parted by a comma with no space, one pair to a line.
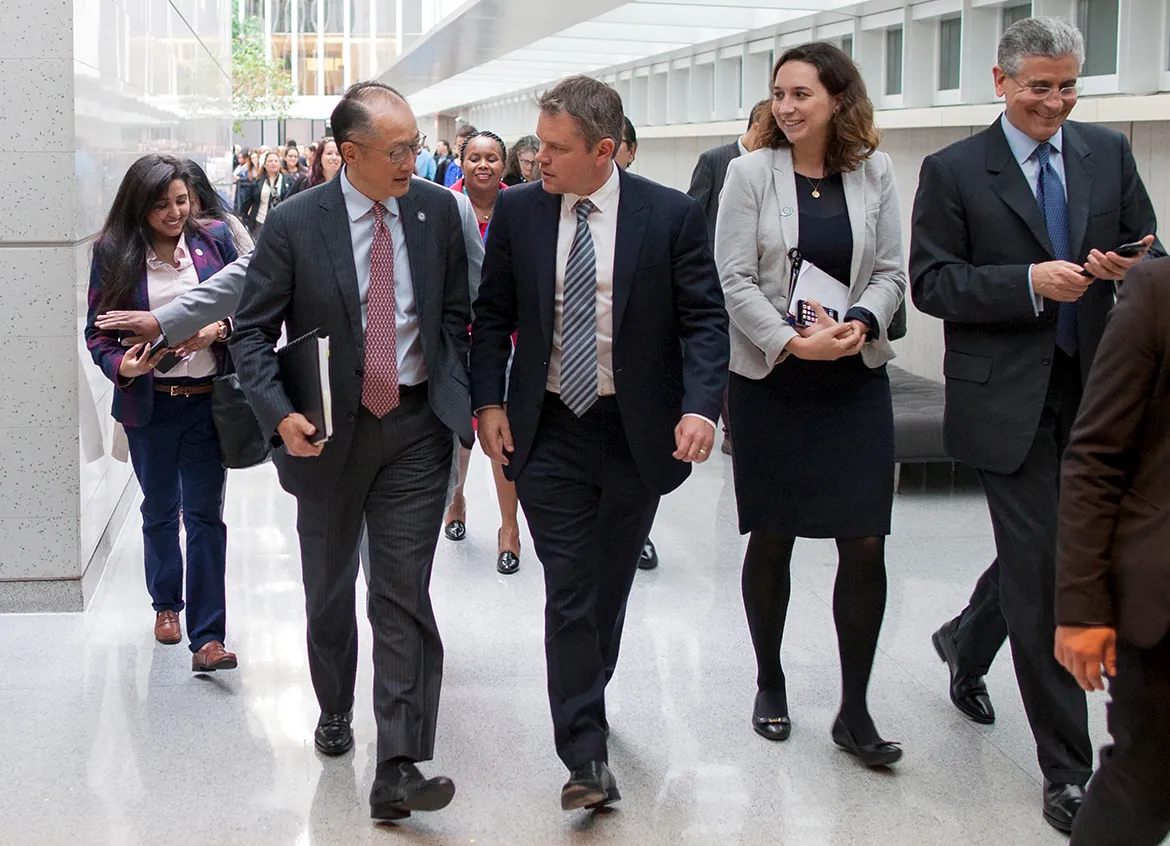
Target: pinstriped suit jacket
[302,275]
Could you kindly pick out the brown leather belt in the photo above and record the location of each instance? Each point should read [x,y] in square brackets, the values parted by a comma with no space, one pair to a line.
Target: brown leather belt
[184,390]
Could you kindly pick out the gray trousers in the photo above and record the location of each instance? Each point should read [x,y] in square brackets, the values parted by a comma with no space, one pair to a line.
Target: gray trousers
[394,482]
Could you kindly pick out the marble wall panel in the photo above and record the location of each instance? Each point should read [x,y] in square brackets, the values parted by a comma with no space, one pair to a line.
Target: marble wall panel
[36,30]
[38,111]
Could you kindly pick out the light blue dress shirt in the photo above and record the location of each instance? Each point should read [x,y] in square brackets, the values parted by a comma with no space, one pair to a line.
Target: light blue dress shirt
[1023,147]
[412,368]
[425,166]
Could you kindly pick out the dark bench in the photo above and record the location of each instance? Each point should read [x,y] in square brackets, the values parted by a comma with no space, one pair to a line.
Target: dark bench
[918,420]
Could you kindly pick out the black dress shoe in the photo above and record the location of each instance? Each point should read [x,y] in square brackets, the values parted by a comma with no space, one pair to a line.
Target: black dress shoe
[648,560]
[508,562]
[873,755]
[456,530]
[968,693]
[590,785]
[400,788]
[768,724]
[1061,803]
[334,734]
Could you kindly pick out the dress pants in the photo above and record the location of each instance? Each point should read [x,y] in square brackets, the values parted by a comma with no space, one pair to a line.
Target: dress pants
[177,462]
[395,480]
[1017,591]
[1128,803]
[589,513]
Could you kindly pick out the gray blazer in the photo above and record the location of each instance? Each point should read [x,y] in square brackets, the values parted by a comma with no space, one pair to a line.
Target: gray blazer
[759,222]
[219,296]
[302,277]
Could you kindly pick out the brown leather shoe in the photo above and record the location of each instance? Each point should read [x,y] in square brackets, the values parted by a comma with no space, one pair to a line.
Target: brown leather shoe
[213,657]
[166,627]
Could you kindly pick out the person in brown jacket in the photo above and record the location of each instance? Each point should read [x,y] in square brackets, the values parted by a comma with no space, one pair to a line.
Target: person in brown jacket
[1113,564]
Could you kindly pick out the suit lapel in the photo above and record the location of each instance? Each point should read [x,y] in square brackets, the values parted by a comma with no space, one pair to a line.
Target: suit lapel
[544,239]
[334,224]
[415,227]
[1078,173]
[632,217]
[1009,183]
[784,182]
[855,201]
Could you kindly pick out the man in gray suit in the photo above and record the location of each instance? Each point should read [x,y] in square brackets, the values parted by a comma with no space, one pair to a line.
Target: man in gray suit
[377,264]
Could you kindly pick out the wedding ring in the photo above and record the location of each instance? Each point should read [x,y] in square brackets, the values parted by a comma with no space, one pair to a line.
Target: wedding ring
[702,451]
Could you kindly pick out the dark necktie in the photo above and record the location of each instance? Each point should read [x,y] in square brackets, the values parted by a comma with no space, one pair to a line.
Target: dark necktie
[1050,196]
[579,318]
[380,379]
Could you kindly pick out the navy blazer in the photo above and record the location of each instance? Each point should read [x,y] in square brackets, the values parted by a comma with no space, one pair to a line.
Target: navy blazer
[670,347]
[212,249]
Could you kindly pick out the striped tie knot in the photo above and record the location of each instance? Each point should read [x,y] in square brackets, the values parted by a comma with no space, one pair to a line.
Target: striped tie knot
[584,208]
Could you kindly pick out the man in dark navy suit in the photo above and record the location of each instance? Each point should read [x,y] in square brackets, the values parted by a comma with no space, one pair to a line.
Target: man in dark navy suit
[618,376]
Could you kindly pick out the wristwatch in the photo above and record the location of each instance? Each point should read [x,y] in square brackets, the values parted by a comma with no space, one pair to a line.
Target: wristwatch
[225,330]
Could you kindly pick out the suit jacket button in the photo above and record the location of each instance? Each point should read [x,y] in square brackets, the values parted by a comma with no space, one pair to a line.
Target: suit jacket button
[545,364]
[360,372]
[1047,361]
[349,418]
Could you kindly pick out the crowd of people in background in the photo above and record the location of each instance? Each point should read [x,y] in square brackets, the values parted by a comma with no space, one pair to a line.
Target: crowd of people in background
[588,423]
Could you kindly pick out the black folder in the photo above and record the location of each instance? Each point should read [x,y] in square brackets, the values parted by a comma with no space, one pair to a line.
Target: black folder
[304,372]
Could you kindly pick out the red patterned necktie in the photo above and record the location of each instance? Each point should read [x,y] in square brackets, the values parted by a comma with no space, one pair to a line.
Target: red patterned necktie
[380,382]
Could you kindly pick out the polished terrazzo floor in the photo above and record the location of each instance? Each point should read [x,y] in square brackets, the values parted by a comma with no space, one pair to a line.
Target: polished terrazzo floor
[108,738]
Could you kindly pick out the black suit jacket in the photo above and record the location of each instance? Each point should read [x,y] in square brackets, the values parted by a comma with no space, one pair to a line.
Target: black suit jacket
[976,229]
[302,275]
[1113,553]
[707,181]
[670,350]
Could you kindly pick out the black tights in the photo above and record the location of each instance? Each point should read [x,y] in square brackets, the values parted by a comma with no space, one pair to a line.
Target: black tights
[859,603]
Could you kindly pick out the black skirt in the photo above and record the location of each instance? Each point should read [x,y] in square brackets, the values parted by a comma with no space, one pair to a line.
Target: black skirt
[814,449]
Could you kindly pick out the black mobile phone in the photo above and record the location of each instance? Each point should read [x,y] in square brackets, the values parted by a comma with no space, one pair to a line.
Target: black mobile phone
[1131,250]
[807,315]
[168,361]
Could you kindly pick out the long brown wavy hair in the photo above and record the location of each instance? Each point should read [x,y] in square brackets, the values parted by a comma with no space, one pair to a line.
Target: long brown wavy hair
[853,138]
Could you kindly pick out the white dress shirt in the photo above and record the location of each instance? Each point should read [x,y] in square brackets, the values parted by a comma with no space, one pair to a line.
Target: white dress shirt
[165,282]
[1023,147]
[412,368]
[603,228]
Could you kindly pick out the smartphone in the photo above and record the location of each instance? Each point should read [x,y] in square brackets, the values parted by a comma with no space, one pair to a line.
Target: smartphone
[806,315]
[168,361]
[1131,250]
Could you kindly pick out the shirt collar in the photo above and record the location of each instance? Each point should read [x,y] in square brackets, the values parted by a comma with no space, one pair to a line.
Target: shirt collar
[743,151]
[604,198]
[357,204]
[1023,145]
[181,255]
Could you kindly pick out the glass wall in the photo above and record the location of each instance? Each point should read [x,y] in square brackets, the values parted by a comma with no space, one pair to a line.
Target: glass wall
[894,61]
[1097,19]
[950,33]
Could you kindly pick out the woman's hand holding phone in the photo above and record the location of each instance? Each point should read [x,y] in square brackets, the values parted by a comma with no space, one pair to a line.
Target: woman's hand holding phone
[826,340]
[138,361]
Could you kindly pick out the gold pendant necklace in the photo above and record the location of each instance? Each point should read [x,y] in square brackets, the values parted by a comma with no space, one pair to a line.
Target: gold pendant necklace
[816,192]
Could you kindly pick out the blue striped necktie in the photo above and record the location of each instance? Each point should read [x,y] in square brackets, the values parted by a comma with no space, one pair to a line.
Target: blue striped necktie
[579,318]
[1054,205]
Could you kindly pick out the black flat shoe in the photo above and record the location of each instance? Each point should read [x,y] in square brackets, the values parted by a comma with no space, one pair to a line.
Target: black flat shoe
[648,560]
[873,755]
[589,786]
[968,693]
[766,724]
[1061,804]
[400,788]
[334,734]
[456,530]
[508,562]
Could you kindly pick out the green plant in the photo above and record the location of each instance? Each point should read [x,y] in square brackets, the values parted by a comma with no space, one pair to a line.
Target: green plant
[261,87]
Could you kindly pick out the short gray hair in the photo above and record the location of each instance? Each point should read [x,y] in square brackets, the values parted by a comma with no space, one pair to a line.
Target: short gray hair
[595,106]
[1053,38]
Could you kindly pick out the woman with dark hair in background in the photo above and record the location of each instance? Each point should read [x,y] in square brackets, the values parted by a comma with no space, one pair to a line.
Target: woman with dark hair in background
[206,204]
[522,165]
[482,161]
[150,251]
[270,189]
[326,165]
[294,171]
[811,414]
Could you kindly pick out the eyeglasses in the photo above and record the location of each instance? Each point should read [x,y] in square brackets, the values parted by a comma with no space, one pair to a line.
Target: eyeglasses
[1043,92]
[399,153]
[527,161]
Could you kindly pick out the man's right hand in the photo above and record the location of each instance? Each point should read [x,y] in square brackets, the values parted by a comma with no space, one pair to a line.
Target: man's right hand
[142,325]
[1061,281]
[495,435]
[295,430]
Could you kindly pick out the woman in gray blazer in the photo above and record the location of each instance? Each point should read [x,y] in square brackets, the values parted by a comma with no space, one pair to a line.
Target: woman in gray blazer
[810,408]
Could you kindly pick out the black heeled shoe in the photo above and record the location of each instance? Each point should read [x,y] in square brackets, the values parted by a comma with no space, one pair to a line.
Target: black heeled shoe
[456,530]
[873,755]
[508,562]
[768,726]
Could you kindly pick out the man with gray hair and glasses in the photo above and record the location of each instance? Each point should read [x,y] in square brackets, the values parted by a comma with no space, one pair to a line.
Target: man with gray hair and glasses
[1020,236]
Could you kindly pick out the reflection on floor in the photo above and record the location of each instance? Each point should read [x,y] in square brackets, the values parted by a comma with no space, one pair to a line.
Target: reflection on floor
[107,737]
